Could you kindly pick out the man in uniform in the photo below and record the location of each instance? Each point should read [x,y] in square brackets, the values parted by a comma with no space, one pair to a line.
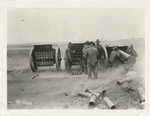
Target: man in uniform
[114,57]
[91,55]
[68,57]
[101,55]
[133,54]
[84,59]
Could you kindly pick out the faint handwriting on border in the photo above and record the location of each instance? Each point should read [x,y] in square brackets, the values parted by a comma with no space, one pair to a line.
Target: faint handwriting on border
[24,102]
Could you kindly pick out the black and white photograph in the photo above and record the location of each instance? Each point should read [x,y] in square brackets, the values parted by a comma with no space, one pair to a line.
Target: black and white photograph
[76,58]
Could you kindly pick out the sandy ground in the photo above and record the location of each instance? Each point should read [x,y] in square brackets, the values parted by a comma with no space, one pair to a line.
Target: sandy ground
[59,90]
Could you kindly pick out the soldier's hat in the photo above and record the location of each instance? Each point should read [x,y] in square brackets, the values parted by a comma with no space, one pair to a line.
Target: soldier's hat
[92,43]
[131,46]
[87,42]
[97,41]
[70,44]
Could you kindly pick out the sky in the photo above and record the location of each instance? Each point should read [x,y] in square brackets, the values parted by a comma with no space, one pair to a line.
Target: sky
[79,24]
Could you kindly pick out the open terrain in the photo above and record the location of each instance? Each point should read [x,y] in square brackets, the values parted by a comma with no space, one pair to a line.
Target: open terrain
[59,90]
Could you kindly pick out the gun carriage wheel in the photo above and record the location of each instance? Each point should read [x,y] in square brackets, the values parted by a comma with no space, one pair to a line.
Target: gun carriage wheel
[58,59]
[105,56]
[32,61]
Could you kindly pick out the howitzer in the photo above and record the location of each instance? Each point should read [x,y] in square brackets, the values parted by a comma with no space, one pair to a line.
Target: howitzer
[107,49]
[44,55]
[124,56]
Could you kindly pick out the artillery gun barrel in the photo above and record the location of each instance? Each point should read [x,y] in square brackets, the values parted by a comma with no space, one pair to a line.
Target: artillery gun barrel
[124,54]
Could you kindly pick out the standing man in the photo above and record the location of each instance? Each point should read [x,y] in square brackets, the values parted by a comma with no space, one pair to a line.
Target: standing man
[114,57]
[91,55]
[101,55]
[68,57]
[84,58]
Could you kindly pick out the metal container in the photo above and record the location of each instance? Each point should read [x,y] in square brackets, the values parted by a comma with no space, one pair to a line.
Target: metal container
[142,105]
[85,94]
[76,73]
[109,103]
[79,72]
[84,89]
[128,79]
[141,94]
[71,73]
[93,92]
[92,100]
[100,91]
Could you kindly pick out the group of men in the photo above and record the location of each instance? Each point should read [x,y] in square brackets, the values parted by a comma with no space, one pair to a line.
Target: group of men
[93,55]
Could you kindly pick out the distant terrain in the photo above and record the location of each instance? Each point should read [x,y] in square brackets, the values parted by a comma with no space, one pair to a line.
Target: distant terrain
[121,41]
